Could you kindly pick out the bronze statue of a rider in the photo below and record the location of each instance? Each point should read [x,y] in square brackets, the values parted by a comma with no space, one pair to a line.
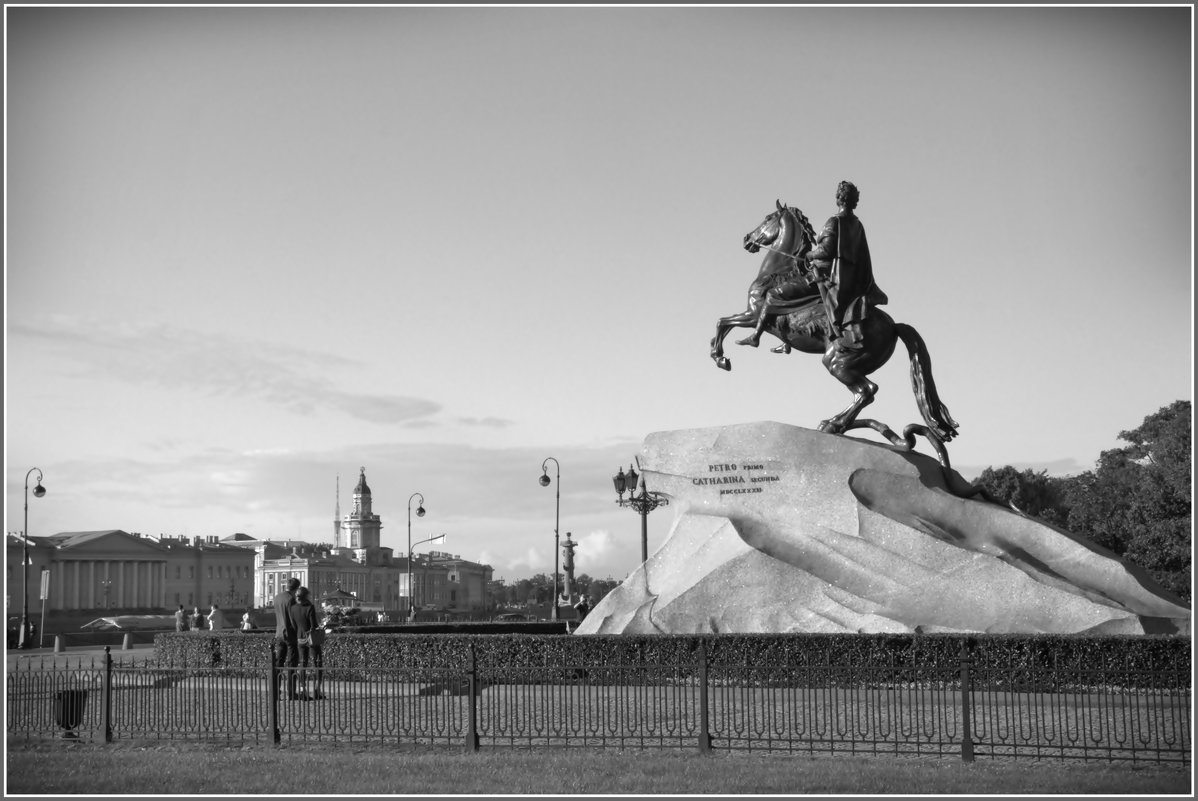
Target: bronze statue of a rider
[840,261]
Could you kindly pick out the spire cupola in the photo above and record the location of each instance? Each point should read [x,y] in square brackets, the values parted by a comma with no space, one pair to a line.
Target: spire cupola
[360,530]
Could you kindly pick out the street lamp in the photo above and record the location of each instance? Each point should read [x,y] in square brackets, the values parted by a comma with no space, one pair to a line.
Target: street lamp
[556,519]
[437,540]
[642,504]
[38,492]
[419,513]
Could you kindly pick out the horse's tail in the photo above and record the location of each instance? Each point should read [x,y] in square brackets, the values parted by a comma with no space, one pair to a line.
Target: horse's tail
[934,412]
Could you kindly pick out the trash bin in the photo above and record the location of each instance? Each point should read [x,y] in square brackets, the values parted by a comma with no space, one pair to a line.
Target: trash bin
[68,710]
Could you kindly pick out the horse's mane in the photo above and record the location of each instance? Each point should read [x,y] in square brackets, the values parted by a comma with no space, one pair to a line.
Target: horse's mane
[804,223]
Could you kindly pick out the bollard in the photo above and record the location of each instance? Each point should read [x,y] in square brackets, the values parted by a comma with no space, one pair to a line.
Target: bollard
[59,647]
[128,646]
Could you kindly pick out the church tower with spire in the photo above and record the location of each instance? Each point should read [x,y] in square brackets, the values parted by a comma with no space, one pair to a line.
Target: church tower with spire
[360,531]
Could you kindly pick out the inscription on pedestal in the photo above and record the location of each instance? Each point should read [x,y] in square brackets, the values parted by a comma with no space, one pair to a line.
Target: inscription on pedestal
[737,479]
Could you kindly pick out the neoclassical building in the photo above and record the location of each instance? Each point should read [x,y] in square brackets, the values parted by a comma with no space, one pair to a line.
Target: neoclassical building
[115,571]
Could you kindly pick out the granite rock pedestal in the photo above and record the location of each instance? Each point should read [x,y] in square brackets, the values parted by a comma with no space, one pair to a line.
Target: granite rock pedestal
[784,529]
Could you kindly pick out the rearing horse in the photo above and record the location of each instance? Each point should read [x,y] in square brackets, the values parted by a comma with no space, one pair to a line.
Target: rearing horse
[802,324]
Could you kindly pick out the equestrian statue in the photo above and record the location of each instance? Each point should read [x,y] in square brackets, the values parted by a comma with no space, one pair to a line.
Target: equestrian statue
[817,295]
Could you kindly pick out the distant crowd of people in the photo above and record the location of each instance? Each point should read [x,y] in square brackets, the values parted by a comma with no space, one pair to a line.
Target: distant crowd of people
[213,621]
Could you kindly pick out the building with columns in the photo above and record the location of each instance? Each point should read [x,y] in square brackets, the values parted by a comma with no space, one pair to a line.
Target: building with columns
[114,571]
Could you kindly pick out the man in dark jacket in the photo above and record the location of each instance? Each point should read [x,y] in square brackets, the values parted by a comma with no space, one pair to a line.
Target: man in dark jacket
[285,637]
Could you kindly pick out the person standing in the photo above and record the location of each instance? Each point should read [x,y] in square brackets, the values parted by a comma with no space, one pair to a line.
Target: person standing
[287,650]
[180,619]
[216,620]
[303,615]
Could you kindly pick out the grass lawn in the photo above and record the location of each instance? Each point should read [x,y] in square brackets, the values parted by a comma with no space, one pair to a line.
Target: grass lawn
[199,769]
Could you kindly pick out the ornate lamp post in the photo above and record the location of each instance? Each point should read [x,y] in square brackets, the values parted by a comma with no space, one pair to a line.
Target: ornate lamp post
[556,519]
[419,513]
[642,504]
[38,492]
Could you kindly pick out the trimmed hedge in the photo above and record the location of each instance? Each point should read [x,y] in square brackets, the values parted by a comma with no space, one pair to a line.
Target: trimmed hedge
[1012,662]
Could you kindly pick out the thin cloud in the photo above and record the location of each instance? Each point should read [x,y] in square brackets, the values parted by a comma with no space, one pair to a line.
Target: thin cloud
[485,422]
[218,365]
[532,561]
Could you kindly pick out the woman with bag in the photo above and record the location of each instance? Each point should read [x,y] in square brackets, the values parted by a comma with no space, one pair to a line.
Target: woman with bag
[310,637]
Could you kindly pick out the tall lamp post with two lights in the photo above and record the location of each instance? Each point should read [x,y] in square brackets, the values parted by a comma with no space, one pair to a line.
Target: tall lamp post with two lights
[642,504]
[419,513]
[557,509]
[38,492]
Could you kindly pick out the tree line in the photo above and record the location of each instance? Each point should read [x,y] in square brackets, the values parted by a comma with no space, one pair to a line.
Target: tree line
[539,589]
[1135,502]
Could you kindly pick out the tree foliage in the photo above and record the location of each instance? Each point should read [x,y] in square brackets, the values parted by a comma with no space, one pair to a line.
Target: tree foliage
[1135,502]
[538,589]
[1036,494]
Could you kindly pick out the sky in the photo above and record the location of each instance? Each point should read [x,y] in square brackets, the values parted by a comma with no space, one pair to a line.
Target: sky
[250,251]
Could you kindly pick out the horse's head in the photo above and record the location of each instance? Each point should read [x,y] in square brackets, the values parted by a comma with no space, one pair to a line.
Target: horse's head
[767,231]
[771,229]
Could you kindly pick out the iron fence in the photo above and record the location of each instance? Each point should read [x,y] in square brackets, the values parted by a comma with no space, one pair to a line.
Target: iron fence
[1098,712]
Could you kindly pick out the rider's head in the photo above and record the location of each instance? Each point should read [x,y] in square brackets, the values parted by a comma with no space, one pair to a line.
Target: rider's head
[847,195]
